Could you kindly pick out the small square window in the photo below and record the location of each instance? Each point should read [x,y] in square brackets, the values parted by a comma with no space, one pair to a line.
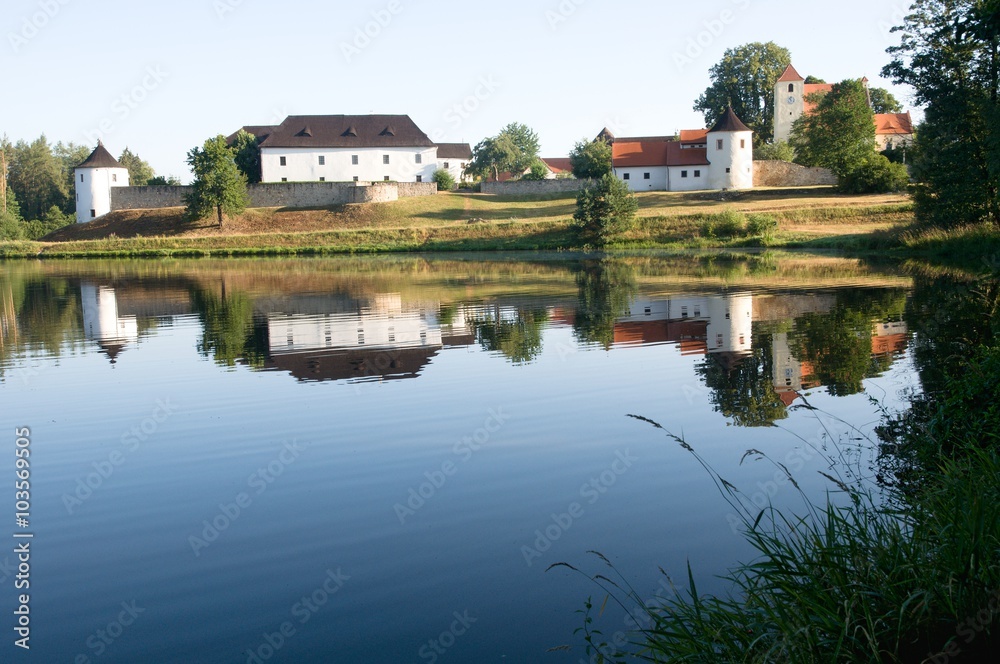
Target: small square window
[284,179]
[684,174]
[355,178]
[420,158]
[322,179]
[420,178]
[729,170]
[81,177]
[646,176]
[386,178]
[447,165]
[354,160]
[322,161]
[385,159]
[743,143]
[93,213]
[627,176]
[719,144]
[283,161]
[697,174]
[114,177]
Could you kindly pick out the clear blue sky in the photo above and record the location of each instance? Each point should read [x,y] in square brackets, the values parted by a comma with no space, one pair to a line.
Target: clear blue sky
[162,77]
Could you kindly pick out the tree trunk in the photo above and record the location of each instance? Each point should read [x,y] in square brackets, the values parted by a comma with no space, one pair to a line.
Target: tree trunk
[219,210]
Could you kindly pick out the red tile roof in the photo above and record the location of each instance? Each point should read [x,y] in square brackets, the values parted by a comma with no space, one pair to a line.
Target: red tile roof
[893,124]
[559,164]
[694,135]
[638,152]
[790,75]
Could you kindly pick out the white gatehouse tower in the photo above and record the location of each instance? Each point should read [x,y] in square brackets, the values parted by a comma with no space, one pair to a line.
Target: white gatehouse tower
[94,179]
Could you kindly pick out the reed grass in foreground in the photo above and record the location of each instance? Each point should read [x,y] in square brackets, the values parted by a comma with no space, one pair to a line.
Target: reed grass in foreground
[879,579]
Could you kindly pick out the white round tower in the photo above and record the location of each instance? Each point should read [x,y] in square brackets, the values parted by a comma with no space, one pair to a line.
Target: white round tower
[730,153]
[94,179]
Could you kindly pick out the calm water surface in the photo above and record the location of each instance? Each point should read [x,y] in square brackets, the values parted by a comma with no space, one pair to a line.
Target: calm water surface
[375,460]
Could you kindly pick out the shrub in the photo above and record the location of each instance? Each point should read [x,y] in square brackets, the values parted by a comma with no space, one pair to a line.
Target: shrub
[762,226]
[876,175]
[538,171]
[777,151]
[604,210]
[10,228]
[445,181]
[727,224]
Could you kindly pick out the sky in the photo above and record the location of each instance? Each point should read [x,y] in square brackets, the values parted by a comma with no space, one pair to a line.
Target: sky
[160,78]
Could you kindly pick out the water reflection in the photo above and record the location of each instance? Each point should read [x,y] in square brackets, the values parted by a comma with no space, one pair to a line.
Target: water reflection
[761,348]
[101,322]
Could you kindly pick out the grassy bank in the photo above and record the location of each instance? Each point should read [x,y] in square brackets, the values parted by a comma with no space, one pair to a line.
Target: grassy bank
[905,570]
[811,218]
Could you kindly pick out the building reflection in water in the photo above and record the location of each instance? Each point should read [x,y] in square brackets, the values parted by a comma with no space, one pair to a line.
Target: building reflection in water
[102,322]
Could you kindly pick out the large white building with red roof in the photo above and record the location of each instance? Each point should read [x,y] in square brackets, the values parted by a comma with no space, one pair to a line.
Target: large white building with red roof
[696,159]
[793,98]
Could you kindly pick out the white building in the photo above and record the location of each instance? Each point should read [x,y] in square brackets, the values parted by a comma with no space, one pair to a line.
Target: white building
[94,179]
[793,98]
[358,148]
[717,158]
[454,158]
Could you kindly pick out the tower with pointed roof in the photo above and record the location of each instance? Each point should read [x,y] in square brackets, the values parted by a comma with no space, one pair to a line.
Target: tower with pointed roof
[94,179]
[789,102]
[730,153]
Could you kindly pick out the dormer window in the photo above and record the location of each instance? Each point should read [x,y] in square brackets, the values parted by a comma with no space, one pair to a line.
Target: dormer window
[389,131]
[305,133]
[351,131]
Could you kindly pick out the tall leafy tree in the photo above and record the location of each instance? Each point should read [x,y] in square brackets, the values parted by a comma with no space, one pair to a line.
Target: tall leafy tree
[840,133]
[591,159]
[949,53]
[139,171]
[604,210]
[37,177]
[884,101]
[219,185]
[247,149]
[513,150]
[745,79]
[70,156]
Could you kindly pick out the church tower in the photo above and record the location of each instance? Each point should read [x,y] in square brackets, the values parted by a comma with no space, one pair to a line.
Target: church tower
[730,153]
[94,179]
[789,102]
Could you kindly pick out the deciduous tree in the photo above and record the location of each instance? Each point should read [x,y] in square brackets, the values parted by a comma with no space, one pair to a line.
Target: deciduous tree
[840,133]
[591,159]
[139,171]
[745,79]
[219,185]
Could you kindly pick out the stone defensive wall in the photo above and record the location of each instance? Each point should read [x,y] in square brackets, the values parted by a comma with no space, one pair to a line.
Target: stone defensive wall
[283,194]
[787,174]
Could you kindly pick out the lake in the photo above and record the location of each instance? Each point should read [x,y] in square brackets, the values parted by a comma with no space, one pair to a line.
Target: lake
[376,459]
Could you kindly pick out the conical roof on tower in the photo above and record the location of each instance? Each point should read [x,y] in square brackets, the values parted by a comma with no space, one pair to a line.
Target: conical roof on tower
[729,122]
[790,75]
[100,158]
